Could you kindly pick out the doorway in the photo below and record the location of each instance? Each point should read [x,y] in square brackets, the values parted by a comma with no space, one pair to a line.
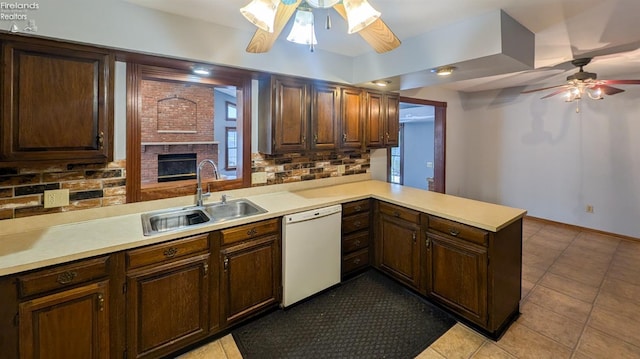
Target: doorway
[418,161]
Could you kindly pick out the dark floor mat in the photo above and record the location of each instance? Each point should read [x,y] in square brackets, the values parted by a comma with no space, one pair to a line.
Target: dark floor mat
[370,316]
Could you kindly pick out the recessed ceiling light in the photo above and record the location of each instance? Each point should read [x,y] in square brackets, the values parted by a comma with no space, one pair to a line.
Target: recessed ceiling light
[201,71]
[381,83]
[443,70]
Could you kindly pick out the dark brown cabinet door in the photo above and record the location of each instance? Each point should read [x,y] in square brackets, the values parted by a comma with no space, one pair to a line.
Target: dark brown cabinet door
[352,118]
[72,324]
[457,276]
[325,116]
[56,103]
[250,277]
[291,115]
[398,249]
[392,120]
[375,135]
[167,306]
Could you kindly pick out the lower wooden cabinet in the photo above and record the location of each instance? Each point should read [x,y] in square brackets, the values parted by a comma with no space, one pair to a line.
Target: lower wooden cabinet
[397,244]
[167,297]
[250,270]
[356,236]
[457,276]
[70,324]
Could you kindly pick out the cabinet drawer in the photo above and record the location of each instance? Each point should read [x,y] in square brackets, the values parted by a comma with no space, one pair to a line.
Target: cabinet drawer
[167,251]
[459,230]
[400,212]
[355,260]
[355,207]
[355,222]
[63,276]
[248,231]
[355,241]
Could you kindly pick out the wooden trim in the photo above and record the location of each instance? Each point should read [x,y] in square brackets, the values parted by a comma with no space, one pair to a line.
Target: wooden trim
[580,228]
[228,129]
[134,136]
[439,154]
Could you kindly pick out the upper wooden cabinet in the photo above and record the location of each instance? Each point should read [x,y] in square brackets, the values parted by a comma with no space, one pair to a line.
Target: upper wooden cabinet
[352,118]
[382,119]
[325,116]
[57,102]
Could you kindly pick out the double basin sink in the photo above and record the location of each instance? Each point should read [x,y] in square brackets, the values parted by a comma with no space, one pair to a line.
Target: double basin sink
[182,218]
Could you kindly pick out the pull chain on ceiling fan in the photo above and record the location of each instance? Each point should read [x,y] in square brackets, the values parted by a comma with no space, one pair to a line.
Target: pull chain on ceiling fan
[583,84]
[271,16]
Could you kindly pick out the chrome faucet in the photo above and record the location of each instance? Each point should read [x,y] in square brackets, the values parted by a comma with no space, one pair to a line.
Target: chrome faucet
[199,194]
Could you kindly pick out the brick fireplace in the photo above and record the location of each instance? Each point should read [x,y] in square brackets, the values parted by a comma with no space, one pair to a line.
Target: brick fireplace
[177,130]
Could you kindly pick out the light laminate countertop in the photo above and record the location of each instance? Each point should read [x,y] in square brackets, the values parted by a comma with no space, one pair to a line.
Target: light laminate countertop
[59,239]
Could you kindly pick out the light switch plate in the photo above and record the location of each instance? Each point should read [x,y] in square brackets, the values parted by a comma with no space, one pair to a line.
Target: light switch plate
[56,198]
[259,177]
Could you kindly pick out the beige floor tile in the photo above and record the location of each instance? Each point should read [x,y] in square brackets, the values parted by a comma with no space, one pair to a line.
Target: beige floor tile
[430,354]
[631,248]
[560,303]
[525,343]
[572,288]
[459,342]
[596,344]
[597,242]
[552,242]
[616,324]
[586,258]
[539,261]
[592,278]
[489,350]
[212,350]
[628,272]
[526,288]
[532,274]
[230,348]
[621,305]
[558,233]
[621,288]
[550,324]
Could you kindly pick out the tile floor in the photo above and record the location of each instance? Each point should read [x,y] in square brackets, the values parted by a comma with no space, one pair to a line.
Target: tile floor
[580,299]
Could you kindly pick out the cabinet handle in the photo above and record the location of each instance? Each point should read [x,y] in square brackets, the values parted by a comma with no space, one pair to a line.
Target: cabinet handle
[357,243]
[344,137]
[226,263]
[206,269]
[453,232]
[100,302]
[304,139]
[427,242]
[101,140]
[396,214]
[315,138]
[170,252]
[252,232]
[358,208]
[356,261]
[357,223]
[414,237]
[66,277]
[387,134]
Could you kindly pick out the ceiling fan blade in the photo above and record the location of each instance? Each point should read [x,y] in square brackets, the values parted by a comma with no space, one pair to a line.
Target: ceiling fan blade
[622,82]
[544,88]
[554,93]
[609,90]
[262,41]
[378,34]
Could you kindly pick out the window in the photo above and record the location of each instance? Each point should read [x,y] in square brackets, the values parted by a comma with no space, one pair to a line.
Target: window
[396,161]
[176,120]
[231,149]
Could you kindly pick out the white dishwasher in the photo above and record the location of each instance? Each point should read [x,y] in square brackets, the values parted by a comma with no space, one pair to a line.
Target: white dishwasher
[311,253]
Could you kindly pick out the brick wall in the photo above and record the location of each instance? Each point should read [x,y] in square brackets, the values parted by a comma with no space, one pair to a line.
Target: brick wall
[90,186]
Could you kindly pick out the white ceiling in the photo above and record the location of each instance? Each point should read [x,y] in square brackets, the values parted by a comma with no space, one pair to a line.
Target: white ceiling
[564,30]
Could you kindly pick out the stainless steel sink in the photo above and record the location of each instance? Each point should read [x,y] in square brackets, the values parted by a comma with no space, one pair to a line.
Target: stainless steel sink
[238,208]
[182,218]
[172,219]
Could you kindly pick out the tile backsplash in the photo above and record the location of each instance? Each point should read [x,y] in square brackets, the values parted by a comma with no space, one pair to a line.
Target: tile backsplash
[100,185]
[90,186]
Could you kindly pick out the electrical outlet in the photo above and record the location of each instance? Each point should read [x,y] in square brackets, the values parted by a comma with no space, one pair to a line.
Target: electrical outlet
[341,169]
[259,177]
[56,198]
[589,208]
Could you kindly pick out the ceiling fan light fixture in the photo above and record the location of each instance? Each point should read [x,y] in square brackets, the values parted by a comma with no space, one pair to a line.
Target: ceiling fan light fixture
[360,14]
[261,13]
[303,29]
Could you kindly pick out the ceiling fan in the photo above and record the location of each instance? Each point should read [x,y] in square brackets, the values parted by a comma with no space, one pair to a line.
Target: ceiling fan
[373,30]
[585,83]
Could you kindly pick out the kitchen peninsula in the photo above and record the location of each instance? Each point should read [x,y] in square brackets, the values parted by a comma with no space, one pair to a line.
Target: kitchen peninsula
[466,255]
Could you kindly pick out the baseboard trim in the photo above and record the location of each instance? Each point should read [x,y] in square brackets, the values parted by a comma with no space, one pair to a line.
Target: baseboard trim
[580,228]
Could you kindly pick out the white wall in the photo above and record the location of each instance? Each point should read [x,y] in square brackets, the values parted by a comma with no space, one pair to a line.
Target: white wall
[542,156]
